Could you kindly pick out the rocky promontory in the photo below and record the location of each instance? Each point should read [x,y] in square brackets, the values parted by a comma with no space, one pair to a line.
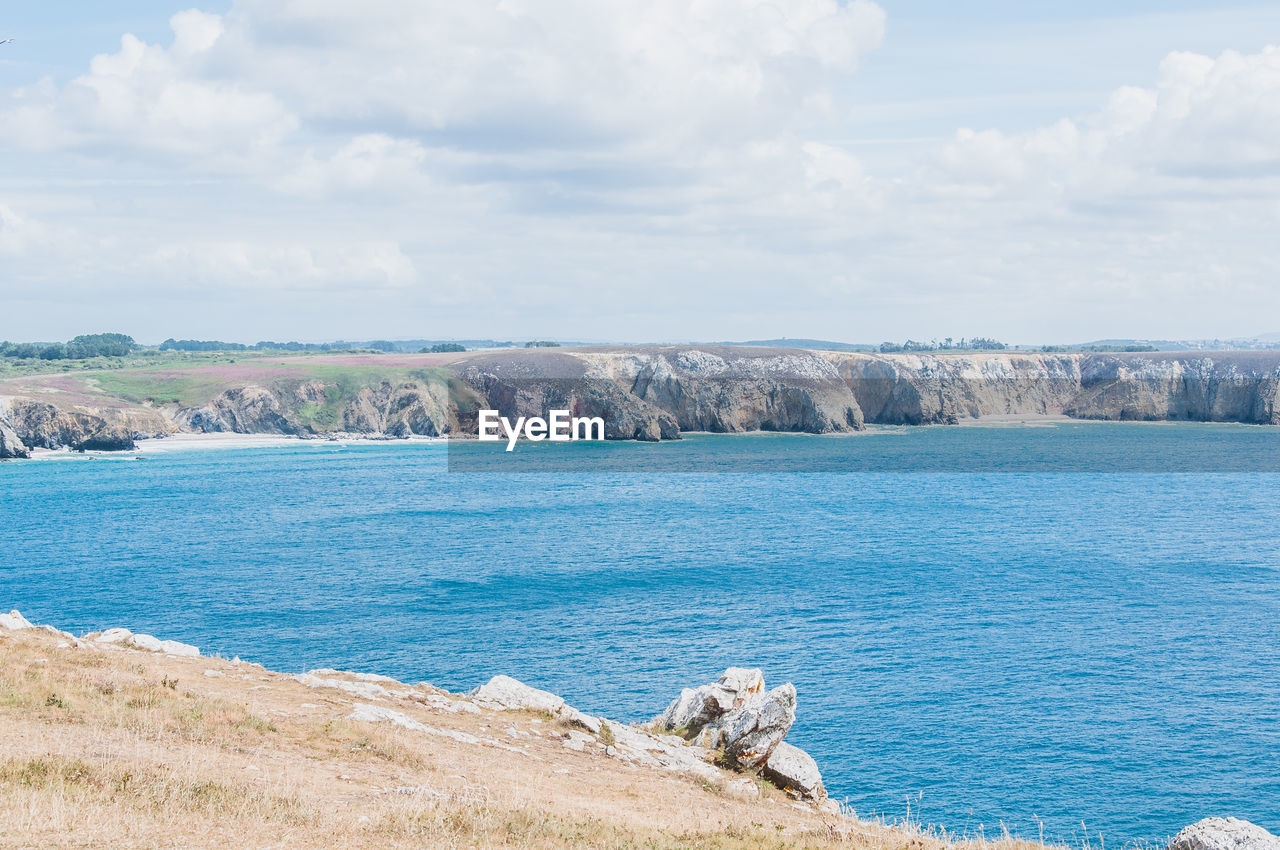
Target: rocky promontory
[642,392]
[119,738]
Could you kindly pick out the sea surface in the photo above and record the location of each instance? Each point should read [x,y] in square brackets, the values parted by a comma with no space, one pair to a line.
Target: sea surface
[1068,653]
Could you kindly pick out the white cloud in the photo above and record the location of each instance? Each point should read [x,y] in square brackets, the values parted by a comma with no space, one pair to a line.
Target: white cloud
[347,267]
[146,98]
[1205,120]
[502,158]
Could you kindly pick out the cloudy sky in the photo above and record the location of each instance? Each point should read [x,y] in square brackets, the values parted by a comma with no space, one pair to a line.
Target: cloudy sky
[640,170]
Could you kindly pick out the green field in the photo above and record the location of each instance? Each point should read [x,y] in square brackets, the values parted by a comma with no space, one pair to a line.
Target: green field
[193,379]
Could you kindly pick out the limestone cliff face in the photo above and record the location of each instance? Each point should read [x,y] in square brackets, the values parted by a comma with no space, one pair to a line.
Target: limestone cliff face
[1241,387]
[10,445]
[37,424]
[404,410]
[250,409]
[909,389]
[905,389]
[534,383]
[727,390]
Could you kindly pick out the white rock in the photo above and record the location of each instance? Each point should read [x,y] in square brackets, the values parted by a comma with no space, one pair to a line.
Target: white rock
[750,733]
[111,636]
[505,693]
[578,741]
[366,713]
[364,690]
[586,721]
[147,642]
[793,770]
[14,621]
[642,748]
[1224,834]
[363,677]
[696,707]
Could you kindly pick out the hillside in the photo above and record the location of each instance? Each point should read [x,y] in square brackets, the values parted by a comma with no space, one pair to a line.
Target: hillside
[107,744]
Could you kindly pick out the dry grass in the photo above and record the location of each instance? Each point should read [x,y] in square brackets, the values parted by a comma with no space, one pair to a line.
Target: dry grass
[124,748]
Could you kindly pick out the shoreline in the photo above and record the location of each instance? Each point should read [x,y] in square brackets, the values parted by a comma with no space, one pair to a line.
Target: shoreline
[147,447]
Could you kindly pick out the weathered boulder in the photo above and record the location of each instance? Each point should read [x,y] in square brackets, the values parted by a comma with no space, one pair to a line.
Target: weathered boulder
[143,641]
[507,694]
[696,707]
[14,621]
[750,733]
[794,771]
[1224,834]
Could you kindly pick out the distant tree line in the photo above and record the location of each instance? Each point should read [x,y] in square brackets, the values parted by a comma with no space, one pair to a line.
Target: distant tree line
[266,345]
[980,343]
[541,343]
[81,348]
[1132,348]
[443,348]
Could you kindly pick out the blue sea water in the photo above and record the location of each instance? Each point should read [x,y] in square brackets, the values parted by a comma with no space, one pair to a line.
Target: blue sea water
[1075,652]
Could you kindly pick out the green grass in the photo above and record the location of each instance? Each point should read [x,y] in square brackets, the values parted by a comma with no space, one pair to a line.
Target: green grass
[187,390]
[195,379]
[149,359]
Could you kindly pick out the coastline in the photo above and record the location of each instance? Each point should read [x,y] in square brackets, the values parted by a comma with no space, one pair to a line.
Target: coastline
[113,736]
[184,442]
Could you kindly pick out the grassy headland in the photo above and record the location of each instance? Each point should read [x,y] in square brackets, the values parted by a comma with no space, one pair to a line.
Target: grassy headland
[116,747]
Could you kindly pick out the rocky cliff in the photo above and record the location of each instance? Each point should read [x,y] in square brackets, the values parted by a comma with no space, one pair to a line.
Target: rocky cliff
[931,389]
[658,392]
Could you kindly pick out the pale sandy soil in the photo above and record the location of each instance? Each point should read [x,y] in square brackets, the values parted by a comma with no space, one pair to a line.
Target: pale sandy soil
[121,747]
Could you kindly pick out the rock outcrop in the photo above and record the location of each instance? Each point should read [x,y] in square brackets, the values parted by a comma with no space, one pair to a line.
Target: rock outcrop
[507,694]
[11,446]
[794,771]
[249,409]
[143,641]
[735,716]
[729,390]
[696,707]
[15,622]
[1224,834]
[750,733]
[533,385]
[42,425]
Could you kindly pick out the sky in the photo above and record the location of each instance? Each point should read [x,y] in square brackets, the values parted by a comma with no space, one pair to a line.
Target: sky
[640,170]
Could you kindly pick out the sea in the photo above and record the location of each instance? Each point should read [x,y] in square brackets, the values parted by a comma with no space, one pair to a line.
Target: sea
[1069,631]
